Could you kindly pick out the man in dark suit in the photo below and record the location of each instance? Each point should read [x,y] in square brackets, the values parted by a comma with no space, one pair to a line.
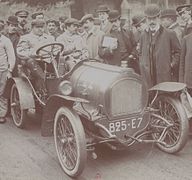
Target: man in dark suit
[159,49]
[185,69]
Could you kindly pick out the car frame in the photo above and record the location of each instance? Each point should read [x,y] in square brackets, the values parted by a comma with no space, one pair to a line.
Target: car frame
[81,110]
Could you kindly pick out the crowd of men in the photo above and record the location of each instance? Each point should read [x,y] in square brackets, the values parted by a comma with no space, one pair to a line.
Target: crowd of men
[158,49]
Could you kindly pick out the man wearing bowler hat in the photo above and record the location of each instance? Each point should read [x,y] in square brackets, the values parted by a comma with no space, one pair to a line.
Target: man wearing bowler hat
[12,30]
[169,20]
[93,36]
[103,14]
[22,18]
[139,22]
[118,44]
[185,13]
[159,49]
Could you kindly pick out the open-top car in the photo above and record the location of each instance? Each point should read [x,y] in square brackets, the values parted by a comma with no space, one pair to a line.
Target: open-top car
[93,103]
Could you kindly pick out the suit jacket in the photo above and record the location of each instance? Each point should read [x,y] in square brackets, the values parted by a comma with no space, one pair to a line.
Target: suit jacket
[185,68]
[159,58]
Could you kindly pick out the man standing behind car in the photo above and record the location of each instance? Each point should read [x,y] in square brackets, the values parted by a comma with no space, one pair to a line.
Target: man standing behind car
[52,28]
[119,44]
[93,35]
[169,20]
[22,18]
[185,13]
[13,34]
[26,50]
[74,45]
[159,49]
[7,63]
[103,13]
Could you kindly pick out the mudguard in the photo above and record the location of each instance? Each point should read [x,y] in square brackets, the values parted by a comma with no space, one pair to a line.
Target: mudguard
[168,87]
[53,104]
[25,92]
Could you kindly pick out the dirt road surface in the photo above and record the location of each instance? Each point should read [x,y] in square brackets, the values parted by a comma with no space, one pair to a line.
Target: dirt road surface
[26,155]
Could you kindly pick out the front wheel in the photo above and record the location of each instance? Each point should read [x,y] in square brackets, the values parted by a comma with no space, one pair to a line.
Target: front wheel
[19,115]
[70,143]
[175,137]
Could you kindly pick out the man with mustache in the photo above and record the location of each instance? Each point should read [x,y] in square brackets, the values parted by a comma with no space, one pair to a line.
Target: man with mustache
[22,19]
[159,49]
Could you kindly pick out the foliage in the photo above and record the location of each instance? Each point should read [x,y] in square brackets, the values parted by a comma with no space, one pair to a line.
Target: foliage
[34,2]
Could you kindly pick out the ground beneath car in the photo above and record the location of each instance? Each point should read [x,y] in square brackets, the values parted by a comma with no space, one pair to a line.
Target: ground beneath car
[25,155]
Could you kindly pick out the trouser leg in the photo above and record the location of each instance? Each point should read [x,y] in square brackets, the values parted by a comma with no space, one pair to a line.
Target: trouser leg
[3,101]
[37,73]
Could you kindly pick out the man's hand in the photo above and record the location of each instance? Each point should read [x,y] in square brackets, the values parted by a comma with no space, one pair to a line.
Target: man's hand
[9,74]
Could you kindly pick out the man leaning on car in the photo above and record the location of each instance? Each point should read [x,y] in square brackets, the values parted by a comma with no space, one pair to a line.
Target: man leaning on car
[26,51]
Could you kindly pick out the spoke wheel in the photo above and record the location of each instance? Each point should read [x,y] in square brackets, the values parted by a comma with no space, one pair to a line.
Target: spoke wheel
[175,137]
[70,143]
[19,115]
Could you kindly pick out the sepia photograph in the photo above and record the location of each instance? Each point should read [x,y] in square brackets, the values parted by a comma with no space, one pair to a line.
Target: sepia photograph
[95,89]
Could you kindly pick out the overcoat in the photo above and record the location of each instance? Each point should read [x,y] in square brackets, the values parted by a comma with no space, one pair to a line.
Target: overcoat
[185,68]
[158,58]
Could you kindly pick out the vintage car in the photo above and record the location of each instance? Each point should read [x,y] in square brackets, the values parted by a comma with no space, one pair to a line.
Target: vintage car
[95,103]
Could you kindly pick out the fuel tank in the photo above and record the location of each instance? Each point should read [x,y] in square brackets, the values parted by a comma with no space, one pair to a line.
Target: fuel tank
[118,90]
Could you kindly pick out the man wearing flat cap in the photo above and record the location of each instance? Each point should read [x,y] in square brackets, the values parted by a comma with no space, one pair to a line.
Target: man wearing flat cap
[169,20]
[93,36]
[26,50]
[73,42]
[184,12]
[159,49]
[22,19]
[7,63]
[103,14]
[118,45]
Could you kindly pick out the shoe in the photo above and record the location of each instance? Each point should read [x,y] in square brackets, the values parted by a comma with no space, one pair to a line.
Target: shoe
[2,120]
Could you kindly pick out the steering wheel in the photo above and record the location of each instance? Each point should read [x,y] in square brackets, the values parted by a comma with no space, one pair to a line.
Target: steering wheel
[48,51]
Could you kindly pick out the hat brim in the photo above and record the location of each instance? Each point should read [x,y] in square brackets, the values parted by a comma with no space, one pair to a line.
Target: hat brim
[114,19]
[14,23]
[183,6]
[169,15]
[84,20]
[137,24]
[153,16]
[103,11]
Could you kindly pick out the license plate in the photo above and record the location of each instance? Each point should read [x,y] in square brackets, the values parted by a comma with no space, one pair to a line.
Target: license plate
[125,125]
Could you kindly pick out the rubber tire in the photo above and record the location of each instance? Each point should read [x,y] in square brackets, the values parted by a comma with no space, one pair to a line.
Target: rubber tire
[22,121]
[184,125]
[79,137]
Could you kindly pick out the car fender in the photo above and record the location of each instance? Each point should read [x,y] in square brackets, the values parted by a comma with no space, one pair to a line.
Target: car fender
[168,87]
[25,92]
[54,102]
